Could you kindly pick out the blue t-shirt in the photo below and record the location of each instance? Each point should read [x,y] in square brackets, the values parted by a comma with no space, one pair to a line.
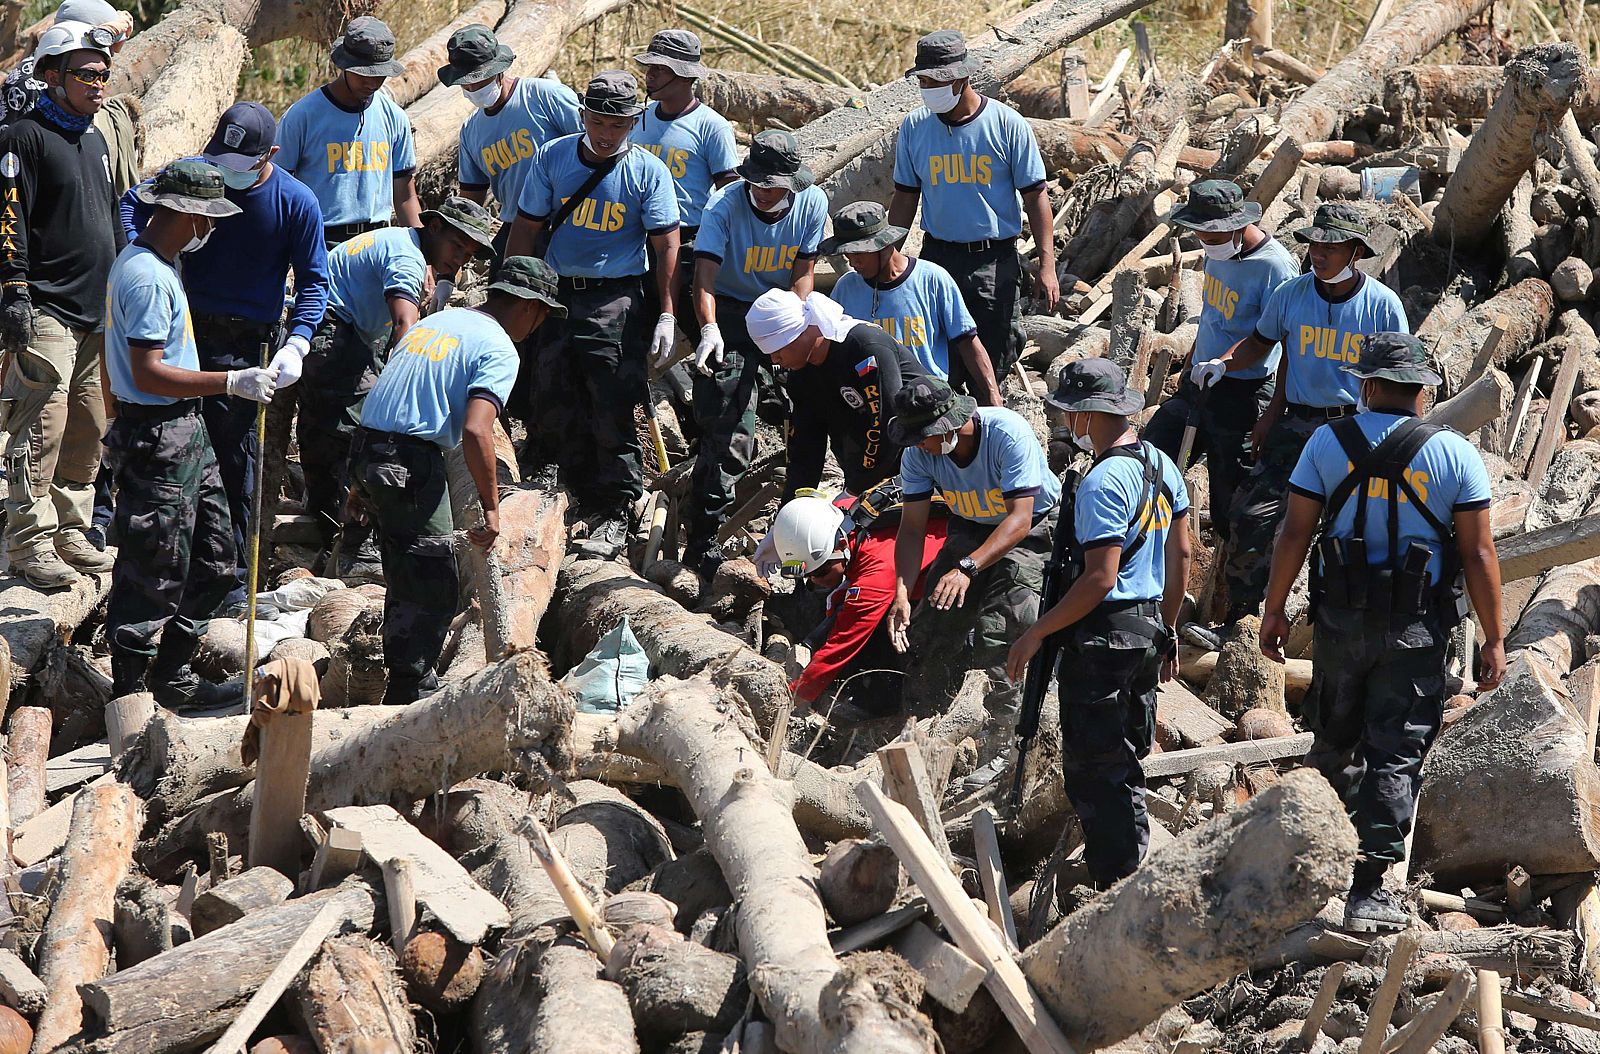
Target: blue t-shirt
[1235,292]
[1009,464]
[755,255]
[1322,335]
[921,309]
[443,361]
[349,158]
[971,175]
[1447,474]
[1111,498]
[369,268]
[605,236]
[497,148]
[146,306]
[696,147]
[241,268]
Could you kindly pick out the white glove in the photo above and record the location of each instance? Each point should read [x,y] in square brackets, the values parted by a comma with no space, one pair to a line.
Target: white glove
[709,353]
[661,343]
[441,294]
[255,384]
[1205,374]
[289,360]
[766,557]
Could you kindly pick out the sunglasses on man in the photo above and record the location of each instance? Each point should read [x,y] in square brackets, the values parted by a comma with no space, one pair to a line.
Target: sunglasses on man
[90,77]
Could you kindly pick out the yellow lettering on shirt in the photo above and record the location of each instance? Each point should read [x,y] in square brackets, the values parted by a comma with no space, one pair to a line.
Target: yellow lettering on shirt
[1379,488]
[976,505]
[426,340]
[602,216]
[358,157]
[1156,515]
[1220,298]
[360,243]
[1324,342]
[910,330]
[506,152]
[960,168]
[759,258]
[674,157]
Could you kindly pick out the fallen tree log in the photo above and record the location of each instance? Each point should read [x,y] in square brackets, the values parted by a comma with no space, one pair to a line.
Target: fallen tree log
[1196,914]
[37,623]
[762,99]
[1468,93]
[1145,171]
[27,750]
[676,986]
[1535,552]
[186,997]
[1527,307]
[1068,146]
[749,828]
[1561,613]
[352,993]
[1358,79]
[76,948]
[1540,84]
[1524,742]
[1484,400]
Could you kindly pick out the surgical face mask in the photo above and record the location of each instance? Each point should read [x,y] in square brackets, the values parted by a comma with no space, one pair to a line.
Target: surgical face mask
[947,445]
[484,97]
[1226,251]
[1361,400]
[1082,442]
[1345,275]
[597,152]
[199,240]
[784,204]
[941,99]
[239,180]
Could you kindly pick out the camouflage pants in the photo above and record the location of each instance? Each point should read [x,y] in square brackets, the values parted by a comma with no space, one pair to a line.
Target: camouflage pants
[1257,510]
[339,372]
[54,416]
[725,415]
[587,376]
[1106,687]
[175,556]
[403,482]
[1223,418]
[1376,703]
[990,281]
[1001,602]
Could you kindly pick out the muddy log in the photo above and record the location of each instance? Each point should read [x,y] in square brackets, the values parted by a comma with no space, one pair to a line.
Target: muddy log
[1539,87]
[76,947]
[352,992]
[1195,914]
[705,743]
[763,100]
[1067,146]
[676,986]
[1146,170]
[1468,93]
[545,994]
[1525,742]
[1483,401]
[27,751]
[1527,307]
[1358,79]
[1561,613]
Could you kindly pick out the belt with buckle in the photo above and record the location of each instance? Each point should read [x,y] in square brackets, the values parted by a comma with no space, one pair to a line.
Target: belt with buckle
[579,283]
[1319,413]
[975,247]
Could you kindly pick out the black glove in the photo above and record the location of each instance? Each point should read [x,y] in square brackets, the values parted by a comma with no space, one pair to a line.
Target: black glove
[1166,644]
[16,318]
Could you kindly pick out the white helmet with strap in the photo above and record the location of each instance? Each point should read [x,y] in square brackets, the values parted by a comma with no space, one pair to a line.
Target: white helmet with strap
[807,533]
[63,38]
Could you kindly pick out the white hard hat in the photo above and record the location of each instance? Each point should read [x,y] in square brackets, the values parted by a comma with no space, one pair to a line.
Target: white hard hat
[66,37]
[806,534]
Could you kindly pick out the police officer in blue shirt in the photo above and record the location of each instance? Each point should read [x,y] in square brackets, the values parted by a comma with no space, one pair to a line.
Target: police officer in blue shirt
[444,387]
[760,233]
[915,301]
[693,140]
[602,203]
[1116,617]
[1403,508]
[350,143]
[1321,319]
[975,166]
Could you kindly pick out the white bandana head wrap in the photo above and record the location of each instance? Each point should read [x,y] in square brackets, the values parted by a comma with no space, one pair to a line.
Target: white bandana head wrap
[778,317]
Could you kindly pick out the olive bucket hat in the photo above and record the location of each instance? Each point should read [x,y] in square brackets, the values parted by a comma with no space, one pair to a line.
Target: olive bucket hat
[367,49]
[774,161]
[862,227]
[942,55]
[927,407]
[614,93]
[1097,385]
[1338,222]
[531,279]
[678,50]
[1396,357]
[1216,205]
[475,54]
[194,187]
[466,216]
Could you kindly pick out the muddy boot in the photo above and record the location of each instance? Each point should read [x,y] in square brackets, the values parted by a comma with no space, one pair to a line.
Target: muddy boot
[608,536]
[360,560]
[43,569]
[1374,911]
[175,684]
[78,551]
[127,673]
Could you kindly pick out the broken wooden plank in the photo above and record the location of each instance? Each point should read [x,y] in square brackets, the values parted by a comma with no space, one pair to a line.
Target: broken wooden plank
[1491,1026]
[1382,1007]
[991,875]
[1184,718]
[443,886]
[865,934]
[1181,762]
[283,767]
[905,780]
[20,987]
[1535,552]
[1554,431]
[1327,991]
[77,766]
[1543,1008]
[322,926]
[230,901]
[950,975]
[338,855]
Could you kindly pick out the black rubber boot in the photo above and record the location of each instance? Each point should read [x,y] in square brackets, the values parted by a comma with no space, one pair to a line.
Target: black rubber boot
[175,684]
[127,673]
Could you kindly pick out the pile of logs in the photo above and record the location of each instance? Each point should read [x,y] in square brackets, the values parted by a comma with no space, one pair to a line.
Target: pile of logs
[490,869]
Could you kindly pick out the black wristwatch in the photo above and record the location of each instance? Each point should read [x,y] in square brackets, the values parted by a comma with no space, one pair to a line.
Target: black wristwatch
[967,566]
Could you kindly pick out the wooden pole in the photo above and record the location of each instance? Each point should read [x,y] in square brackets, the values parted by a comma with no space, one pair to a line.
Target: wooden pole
[991,875]
[282,772]
[1486,351]
[591,927]
[1555,418]
[401,893]
[905,780]
[1382,1008]
[1519,406]
[1491,1023]
[1327,992]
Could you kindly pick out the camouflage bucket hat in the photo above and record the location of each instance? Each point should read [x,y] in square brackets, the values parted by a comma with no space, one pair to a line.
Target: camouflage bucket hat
[1337,222]
[194,187]
[466,216]
[862,227]
[676,49]
[774,161]
[475,54]
[1395,357]
[367,49]
[1215,205]
[531,279]
[927,407]
[613,93]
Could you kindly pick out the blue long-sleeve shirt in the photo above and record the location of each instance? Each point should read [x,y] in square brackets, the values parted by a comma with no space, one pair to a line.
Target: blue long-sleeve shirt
[241,269]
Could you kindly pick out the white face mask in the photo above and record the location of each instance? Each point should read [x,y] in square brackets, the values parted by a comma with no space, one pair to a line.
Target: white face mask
[1345,275]
[947,445]
[1226,251]
[1082,442]
[784,204]
[942,99]
[196,242]
[484,97]
[597,152]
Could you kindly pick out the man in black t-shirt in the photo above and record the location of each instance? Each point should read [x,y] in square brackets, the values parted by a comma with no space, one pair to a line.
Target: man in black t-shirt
[842,374]
[58,222]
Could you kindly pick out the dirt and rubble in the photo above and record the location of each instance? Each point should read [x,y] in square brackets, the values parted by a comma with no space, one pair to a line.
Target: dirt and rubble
[711,868]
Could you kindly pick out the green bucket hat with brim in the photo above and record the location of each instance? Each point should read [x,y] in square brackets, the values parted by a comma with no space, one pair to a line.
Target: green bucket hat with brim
[927,407]
[942,56]
[774,161]
[530,278]
[678,50]
[475,54]
[367,49]
[1398,357]
[1215,205]
[862,227]
[1336,222]
[194,187]
[466,216]
[1096,385]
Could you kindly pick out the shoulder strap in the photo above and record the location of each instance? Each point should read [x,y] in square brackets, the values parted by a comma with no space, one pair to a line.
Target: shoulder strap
[1388,461]
[1154,484]
[571,204]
